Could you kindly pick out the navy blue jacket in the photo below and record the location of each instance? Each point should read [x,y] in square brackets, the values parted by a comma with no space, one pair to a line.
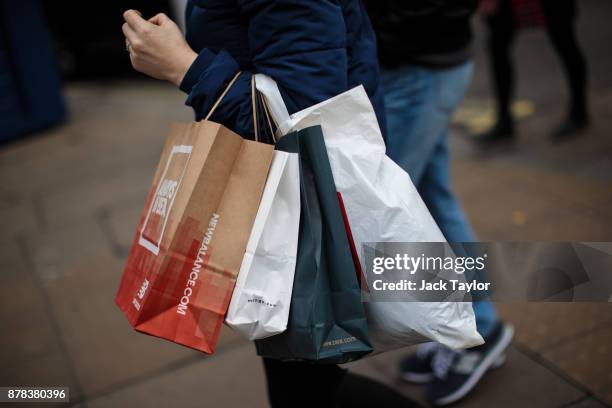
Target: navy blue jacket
[314,49]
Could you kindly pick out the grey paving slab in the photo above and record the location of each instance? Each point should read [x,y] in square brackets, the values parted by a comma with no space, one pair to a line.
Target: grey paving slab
[493,213]
[583,192]
[30,352]
[540,326]
[525,204]
[84,201]
[233,379]
[588,360]
[45,163]
[47,369]
[121,220]
[581,226]
[18,218]
[121,129]
[588,403]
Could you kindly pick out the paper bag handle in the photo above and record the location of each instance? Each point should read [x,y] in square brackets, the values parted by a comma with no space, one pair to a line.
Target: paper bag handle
[218,101]
[254,107]
[253,95]
[254,98]
[267,113]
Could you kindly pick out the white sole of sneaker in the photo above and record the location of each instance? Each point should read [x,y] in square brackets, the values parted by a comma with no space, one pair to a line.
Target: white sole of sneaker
[488,362]
[499,362]
[424,378]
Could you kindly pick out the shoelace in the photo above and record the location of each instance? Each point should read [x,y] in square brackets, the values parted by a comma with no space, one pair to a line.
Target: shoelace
[443,360]
[427,349]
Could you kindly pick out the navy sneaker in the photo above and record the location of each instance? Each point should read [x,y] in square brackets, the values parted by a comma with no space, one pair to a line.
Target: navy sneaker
[417,368]
[456,373]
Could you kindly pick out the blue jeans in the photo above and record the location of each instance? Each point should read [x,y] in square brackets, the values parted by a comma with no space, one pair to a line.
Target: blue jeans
[419,104]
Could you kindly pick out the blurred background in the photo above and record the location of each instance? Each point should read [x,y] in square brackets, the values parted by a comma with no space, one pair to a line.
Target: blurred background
[80,137]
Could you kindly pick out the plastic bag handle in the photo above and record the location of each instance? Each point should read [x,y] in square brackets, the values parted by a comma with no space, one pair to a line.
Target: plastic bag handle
[274,101]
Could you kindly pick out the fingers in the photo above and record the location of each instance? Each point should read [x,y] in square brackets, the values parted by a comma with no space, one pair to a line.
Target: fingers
[130,34]
[159,19]
[134,19]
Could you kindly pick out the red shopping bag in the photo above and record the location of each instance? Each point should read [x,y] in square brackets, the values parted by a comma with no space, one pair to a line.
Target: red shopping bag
[192,235]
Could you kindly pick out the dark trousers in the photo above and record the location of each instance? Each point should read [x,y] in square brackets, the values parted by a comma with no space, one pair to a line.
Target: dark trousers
[560,24]
[294,384]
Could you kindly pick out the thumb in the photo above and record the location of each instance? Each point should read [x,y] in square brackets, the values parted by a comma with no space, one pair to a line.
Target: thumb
[160,19]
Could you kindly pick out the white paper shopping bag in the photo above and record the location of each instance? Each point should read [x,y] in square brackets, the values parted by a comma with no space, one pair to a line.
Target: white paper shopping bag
[382,205]
[260,302]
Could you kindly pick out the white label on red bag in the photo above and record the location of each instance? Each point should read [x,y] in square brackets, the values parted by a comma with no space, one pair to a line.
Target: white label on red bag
[155,222]
[140,294]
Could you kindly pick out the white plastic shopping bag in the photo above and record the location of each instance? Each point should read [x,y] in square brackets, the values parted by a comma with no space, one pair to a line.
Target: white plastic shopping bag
[382,205]
[260,302]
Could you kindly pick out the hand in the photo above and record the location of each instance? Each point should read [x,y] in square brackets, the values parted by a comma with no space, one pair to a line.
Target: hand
[157,47]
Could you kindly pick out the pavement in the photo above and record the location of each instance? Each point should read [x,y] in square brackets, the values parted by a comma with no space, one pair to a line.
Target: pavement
[70,199]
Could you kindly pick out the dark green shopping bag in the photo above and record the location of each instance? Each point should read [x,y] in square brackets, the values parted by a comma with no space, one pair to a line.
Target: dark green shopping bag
[327,321]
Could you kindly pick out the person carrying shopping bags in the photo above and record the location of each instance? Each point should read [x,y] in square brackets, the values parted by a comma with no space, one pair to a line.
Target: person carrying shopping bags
[314,50]
[425,53]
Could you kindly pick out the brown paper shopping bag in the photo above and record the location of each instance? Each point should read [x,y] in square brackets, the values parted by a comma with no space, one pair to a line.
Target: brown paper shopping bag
[192,235]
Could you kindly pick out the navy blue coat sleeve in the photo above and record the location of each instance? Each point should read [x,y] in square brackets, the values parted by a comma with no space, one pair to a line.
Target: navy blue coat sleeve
[204,82]
[301,44]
